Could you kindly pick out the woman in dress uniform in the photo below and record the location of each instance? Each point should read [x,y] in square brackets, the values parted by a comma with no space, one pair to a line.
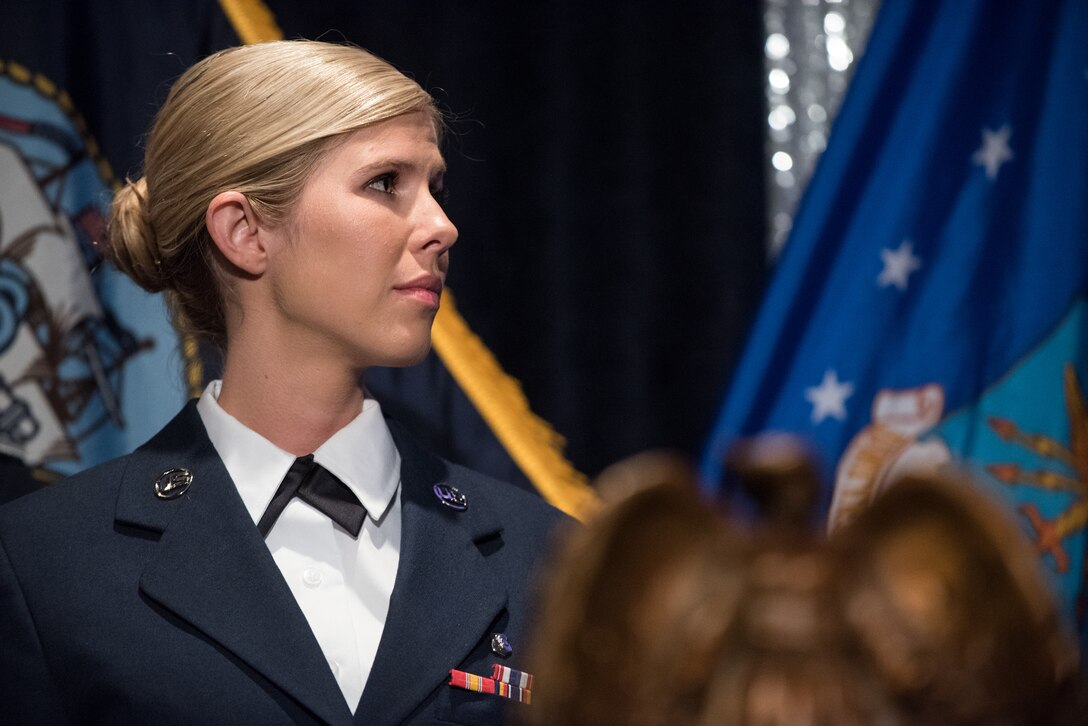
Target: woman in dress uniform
[280,552]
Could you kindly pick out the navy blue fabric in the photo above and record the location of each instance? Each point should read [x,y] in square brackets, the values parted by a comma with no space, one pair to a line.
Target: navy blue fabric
[120,607]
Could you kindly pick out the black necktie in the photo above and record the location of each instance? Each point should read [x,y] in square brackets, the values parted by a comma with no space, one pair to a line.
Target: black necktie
[313,484]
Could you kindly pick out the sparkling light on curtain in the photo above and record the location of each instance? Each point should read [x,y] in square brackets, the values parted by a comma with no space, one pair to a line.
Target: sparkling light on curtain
[810,52]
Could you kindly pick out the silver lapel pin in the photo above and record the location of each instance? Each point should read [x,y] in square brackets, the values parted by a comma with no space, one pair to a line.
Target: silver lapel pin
[172,483]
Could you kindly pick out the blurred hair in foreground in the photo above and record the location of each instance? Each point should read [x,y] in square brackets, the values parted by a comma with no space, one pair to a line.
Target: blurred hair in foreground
[928,609]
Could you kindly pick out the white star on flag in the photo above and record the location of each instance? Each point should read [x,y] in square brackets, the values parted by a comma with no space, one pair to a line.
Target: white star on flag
[994,151]
[829,398]
[898,264]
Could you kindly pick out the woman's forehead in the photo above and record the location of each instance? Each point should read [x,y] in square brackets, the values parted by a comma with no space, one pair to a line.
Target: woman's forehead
[406,140]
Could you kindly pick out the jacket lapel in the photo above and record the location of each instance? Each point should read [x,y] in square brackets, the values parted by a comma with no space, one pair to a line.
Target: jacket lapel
[444,597]
[213,570]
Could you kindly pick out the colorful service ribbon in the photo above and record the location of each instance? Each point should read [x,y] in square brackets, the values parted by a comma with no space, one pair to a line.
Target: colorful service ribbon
[480,684]
[505,674]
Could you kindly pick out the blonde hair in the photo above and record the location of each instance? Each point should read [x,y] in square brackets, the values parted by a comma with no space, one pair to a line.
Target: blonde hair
[254,119]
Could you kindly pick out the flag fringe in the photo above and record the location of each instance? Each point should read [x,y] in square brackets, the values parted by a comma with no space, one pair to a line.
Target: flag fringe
[533,444]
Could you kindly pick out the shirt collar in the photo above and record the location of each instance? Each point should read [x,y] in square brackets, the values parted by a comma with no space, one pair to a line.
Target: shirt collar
[361,454]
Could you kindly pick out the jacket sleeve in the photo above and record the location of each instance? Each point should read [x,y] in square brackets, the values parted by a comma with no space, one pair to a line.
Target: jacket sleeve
[28,693]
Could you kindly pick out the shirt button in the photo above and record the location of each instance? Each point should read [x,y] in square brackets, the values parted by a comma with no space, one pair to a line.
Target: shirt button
[335,667]
[311,577]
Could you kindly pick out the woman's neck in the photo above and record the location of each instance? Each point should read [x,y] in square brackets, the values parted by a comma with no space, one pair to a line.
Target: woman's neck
[297,407]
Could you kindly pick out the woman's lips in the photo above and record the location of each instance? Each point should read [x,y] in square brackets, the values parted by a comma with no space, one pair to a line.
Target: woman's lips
[427,289]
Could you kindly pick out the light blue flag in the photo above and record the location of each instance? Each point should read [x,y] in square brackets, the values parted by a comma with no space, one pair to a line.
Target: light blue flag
[89,363]
[932,303]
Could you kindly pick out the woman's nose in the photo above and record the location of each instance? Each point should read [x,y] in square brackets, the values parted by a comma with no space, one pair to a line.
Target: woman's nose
[437,232]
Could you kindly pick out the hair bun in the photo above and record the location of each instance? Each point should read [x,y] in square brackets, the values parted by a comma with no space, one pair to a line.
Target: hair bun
[133,247]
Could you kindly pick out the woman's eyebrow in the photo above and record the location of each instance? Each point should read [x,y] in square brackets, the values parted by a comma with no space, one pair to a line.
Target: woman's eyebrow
[435,166]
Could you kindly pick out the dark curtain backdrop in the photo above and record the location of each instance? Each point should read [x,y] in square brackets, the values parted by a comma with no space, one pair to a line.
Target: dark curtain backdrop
[606,178]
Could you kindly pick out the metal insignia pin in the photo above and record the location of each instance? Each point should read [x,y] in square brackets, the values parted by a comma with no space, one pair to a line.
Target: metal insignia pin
[172,483]
[500,645]
[451,497]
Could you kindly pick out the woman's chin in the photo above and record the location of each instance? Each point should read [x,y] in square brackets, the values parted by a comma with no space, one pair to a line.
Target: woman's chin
[405,355]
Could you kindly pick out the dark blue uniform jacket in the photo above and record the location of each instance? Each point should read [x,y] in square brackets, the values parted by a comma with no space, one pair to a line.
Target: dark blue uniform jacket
[117,606]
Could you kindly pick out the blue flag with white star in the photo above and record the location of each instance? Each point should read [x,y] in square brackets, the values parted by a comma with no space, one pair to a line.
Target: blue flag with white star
[932,303]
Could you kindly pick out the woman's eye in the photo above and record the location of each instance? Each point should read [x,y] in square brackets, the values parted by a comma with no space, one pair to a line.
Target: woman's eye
[440,194]
[386,183]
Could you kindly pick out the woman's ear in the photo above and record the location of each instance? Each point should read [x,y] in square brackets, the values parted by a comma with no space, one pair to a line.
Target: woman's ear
[233,227]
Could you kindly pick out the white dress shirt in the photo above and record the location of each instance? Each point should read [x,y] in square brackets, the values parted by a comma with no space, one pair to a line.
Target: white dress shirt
[341,583]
